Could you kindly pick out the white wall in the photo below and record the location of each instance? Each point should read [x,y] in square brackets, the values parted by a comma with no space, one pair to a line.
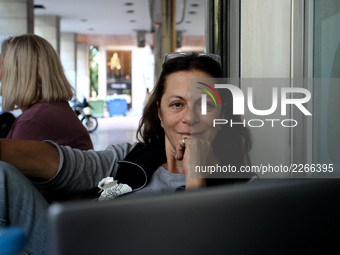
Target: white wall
[16,17]
[142,76]
[83,80]
[48,27]
[68,56]
[266,53]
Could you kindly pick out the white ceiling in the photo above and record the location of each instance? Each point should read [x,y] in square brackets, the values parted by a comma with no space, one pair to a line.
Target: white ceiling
[111,17]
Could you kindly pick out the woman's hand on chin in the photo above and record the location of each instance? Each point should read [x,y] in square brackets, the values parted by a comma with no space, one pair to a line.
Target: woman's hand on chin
[194,152]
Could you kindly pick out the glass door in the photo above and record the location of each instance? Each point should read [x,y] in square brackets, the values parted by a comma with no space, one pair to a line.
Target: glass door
[326,88]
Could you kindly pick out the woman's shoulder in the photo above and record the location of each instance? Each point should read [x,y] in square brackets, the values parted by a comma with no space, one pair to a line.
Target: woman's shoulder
[43,111]
[137,152]
[46,106]
[40,108]
[123,147]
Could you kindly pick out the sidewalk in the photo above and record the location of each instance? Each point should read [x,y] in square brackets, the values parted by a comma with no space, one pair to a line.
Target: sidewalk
[114,130]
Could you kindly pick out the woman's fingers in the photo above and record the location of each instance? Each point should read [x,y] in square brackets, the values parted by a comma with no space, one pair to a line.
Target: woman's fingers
[200,152]
[193,152]
[183,143]
[197,152]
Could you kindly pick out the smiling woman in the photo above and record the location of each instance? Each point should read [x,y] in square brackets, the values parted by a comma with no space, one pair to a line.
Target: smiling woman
[180,125]
[171,141]
[179,116]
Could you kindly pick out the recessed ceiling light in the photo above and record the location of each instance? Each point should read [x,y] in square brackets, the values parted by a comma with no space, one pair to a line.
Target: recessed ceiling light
[128,4]
[130,11]
[83,20]
[132,21]
[39,6]
[195,5]
[192,12]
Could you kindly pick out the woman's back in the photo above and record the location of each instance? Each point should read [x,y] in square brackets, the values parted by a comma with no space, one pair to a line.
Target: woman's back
[51,121]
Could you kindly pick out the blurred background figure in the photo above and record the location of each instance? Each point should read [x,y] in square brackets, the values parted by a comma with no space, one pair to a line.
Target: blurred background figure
[33,81]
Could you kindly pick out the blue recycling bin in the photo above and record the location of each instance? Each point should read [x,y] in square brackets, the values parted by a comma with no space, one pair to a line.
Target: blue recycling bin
[117,106]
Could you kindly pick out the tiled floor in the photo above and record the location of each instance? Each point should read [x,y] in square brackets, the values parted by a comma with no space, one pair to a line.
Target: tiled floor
[116,129]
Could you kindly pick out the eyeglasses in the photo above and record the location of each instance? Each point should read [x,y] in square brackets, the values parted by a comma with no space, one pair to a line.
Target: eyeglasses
[173,55]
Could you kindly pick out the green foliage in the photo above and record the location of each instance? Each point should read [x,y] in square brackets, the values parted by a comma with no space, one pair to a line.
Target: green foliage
[93,56]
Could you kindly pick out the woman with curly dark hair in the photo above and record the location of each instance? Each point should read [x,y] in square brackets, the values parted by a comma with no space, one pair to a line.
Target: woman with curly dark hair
[173,137]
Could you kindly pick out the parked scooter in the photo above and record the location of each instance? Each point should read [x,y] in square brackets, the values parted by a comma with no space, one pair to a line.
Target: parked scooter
[89,121]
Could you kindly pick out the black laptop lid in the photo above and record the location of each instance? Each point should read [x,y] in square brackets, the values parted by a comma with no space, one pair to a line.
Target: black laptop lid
[288,217]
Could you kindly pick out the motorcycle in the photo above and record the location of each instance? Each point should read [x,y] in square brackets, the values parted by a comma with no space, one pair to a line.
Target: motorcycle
[89,121]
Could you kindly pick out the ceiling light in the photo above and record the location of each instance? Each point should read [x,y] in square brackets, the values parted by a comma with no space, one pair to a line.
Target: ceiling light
[192,12]
[128,4]
[130,11]
[38,6]
[195,5]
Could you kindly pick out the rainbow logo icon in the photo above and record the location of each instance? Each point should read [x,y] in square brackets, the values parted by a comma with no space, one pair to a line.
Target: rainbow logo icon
[204,97]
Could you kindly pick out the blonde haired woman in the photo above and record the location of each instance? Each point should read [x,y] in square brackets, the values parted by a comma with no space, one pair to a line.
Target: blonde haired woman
[33,81]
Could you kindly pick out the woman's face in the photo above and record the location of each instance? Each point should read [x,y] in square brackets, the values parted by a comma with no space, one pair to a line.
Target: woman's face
[180,110]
